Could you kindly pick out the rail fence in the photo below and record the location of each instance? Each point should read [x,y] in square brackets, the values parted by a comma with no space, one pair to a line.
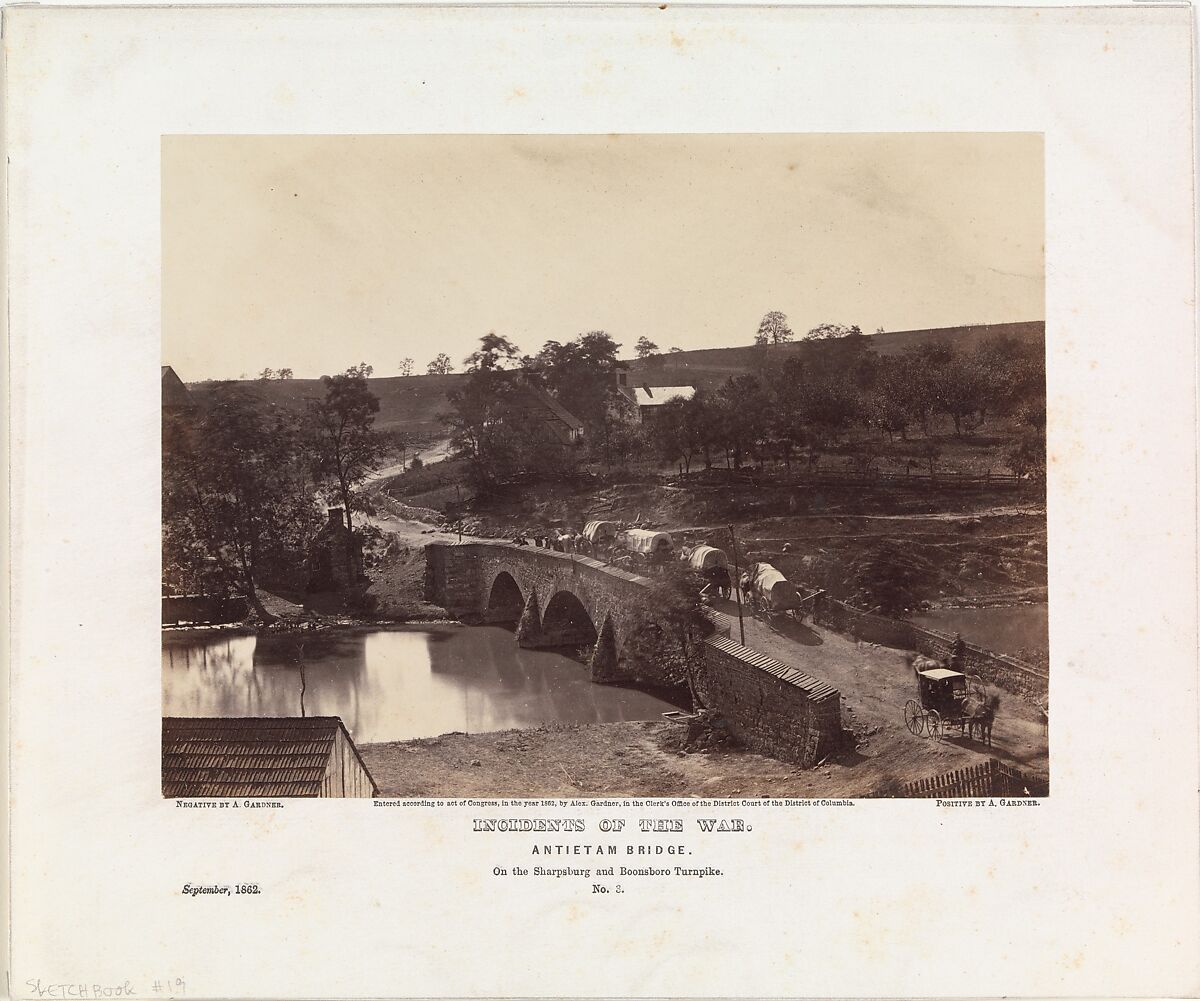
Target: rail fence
[800,476]
[989,778]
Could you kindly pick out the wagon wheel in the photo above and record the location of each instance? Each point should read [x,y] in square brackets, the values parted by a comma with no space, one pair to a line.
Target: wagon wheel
[913,718]
[933,724]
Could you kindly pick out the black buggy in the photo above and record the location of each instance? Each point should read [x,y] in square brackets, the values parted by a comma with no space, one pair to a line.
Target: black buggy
[948,700]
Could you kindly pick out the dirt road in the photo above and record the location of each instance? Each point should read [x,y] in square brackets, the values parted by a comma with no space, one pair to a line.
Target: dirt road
[875,682]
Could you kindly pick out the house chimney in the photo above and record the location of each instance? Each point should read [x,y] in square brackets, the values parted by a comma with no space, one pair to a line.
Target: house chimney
[335,517]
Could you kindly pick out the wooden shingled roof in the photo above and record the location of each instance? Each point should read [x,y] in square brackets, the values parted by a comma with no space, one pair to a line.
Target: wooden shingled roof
[814,688]
[253,756]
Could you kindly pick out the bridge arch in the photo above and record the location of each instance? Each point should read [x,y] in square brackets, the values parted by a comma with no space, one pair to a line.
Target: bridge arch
[566,622]
[505,600]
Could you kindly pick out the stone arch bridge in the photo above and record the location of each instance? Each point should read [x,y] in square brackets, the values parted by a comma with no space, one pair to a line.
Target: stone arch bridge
[563,599]
[553,599]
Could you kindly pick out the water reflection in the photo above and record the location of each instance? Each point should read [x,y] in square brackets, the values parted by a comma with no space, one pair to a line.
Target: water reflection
[1009,629]
[392,685]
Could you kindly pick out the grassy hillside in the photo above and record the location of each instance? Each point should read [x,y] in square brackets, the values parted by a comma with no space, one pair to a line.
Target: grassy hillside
[413,403]
[406,403]
[708,368]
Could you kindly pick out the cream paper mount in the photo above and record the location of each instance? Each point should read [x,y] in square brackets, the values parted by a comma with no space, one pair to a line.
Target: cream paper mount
[222,191]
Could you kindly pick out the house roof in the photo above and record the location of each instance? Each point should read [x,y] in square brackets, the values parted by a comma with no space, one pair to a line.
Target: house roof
[656,396]
[258,756]
[174,392]
[551,404]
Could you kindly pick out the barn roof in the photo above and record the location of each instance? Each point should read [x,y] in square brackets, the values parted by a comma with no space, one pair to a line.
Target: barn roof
[256,756]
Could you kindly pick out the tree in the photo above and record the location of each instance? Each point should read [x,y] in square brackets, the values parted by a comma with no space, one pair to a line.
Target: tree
[494,352]
[887,406]
[479,433]
[406,367]
[441,365]
[890,578]
[786,387]
[645,347]
[340,432]
[829,404]
[361,369]
[283,374]
[582,376]
[236,501]
[961,389]
[773,329]
[675,351]
[832,331]
[674,434]
[266,374]
[743,409]
[921,373]
[667,631]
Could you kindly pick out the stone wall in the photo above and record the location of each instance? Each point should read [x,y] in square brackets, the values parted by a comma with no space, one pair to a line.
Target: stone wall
[999,669]
[771,708]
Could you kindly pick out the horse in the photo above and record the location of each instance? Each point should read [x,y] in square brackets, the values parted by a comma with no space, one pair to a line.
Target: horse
[981,718]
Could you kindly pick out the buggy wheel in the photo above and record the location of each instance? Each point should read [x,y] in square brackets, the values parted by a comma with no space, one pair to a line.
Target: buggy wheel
[933,724]
[912,717]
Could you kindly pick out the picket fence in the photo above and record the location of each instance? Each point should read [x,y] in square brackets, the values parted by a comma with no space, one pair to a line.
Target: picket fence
[989,778]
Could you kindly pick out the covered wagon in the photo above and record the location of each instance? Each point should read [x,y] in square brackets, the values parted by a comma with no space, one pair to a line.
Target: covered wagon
[769,590]
[600,533]
[646,547]
[647,542]
[703,558]
[713,565]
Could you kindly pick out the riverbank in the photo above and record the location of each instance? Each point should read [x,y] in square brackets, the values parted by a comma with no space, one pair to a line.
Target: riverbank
[638,759]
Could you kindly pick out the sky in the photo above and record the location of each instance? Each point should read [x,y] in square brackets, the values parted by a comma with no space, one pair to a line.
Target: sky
[316,253]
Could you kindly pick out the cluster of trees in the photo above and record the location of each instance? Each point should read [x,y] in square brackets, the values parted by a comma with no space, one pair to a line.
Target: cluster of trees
[486,420]
[244,485]
[774,329]
[268,374]
[805,403]
[441,365]
[809,402]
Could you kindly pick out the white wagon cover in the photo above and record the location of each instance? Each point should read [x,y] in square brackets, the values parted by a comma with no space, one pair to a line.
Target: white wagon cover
[707,558]
[642,540]
[773,586]
[599,531]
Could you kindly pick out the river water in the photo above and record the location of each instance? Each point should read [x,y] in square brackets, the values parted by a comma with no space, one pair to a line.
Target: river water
[1007,629]
[392,684]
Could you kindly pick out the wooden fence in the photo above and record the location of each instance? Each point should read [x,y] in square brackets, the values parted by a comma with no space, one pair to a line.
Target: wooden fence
[990,778]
